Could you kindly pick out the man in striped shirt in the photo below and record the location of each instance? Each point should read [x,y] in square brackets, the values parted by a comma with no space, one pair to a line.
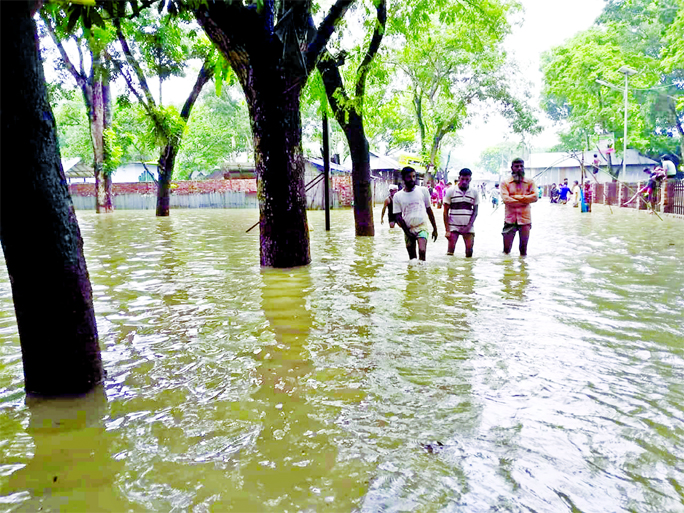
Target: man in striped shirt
[460,210]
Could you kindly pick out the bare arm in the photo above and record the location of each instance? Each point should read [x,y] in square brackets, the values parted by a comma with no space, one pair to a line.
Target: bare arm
[400,221]
[431,216]
[384,207]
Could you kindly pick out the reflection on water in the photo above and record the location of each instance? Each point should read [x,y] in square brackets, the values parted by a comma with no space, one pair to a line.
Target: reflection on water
[363,382]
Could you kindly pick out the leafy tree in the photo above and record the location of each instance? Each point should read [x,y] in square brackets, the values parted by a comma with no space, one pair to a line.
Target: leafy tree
[165,124]
[454,61]
[272,48]
[93,75]
[636,33]
[496,158]
[218,131]
[73,130]
[348,109]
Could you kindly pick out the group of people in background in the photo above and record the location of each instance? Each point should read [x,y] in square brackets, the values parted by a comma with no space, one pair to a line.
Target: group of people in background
[411,209]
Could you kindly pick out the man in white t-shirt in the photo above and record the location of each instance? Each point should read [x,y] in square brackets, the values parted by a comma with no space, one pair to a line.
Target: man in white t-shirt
[412,207]
[460,210]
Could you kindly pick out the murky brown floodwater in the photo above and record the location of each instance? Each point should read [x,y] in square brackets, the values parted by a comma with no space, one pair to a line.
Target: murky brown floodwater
[553,383]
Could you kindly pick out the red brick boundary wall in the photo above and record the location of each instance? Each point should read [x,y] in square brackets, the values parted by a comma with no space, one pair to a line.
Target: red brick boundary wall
[180,188]
[341,186]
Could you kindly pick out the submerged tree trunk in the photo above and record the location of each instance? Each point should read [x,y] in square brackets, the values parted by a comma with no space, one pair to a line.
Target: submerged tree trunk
[167,159]
[95,90]
[166,163]
[41,239]
[273,99]
[279,160]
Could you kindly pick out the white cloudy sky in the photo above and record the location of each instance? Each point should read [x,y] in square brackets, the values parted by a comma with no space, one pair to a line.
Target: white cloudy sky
[545,24]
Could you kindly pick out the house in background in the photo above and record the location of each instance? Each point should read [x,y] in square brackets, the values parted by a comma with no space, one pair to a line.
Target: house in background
[135,172]
[77,171]
[548,168]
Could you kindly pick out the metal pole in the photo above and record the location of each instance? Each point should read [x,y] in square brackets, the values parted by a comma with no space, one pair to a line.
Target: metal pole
[624,154]
[326,170]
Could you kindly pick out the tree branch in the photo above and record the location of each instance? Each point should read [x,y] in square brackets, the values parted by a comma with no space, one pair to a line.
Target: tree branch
[131,87]
[378,32]
[133,63]
[204,75]
[325,30]
[80,79]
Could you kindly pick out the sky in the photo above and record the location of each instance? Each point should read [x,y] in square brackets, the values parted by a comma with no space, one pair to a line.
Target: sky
[545,24]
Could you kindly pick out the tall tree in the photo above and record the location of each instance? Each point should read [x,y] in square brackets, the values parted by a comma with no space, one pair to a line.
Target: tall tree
[93,76]
[636,33]
[41,239]
[456,62]
[168,125]
[273,47]
[348,111]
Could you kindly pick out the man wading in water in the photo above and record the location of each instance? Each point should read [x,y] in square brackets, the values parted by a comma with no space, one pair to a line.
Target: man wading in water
[389,206]
[517,192]
[412,206]
[460,210]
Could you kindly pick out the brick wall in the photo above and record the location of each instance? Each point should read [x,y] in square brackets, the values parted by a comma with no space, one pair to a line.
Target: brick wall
[342,184]
[180,188]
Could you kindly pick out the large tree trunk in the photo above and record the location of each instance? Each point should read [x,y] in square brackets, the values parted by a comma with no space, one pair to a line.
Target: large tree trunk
[41,239]
[278,156]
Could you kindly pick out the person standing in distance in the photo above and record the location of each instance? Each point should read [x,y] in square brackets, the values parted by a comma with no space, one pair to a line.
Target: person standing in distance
[412,206]
[517,193]
[389,206]
[460,210]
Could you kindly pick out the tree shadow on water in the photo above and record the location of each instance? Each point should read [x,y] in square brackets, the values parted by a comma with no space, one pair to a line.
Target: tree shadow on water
[290,458]
[71,466]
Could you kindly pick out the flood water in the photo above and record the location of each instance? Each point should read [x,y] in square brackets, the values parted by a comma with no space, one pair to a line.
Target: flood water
[548,383]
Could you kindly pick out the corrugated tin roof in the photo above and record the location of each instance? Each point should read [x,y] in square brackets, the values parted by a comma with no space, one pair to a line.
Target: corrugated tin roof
[337,168]
[75,168]
[380,162]
[564,159]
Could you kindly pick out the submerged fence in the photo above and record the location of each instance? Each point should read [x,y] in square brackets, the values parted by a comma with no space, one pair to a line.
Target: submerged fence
[226,199]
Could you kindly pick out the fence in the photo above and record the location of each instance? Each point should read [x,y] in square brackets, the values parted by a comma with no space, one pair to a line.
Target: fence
[675,192]
[227,199]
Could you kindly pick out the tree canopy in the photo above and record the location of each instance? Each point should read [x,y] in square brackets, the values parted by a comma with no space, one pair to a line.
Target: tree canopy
[636,33]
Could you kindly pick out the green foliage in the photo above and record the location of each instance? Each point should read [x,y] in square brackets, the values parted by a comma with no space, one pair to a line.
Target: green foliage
[498,157]
[636,33]
[73,130]
[218,131]
[162,127]
[454,60]
[113,150]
